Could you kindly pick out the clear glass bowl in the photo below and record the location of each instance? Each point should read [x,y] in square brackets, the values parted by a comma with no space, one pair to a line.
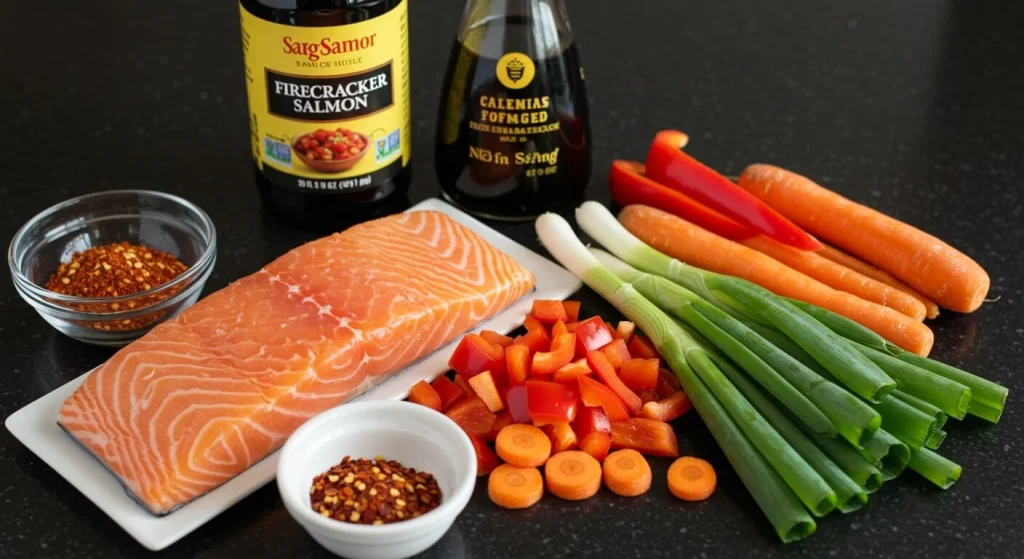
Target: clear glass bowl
[155,219]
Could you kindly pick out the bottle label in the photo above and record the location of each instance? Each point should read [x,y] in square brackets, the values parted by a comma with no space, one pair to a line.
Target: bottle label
[329,106]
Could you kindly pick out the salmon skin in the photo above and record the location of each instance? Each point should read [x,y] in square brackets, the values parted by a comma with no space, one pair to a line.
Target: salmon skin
[204,396]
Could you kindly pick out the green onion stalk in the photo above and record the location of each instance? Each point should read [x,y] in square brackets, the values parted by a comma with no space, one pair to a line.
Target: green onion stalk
[936,469]
[774,494]
[935,441]
[888,453]
[855,371]
[940,417]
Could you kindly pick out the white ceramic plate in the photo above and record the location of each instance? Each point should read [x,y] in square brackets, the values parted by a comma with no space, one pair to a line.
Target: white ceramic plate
[35,425]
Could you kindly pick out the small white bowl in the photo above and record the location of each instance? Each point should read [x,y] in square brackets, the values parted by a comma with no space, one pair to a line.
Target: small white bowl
[415,436]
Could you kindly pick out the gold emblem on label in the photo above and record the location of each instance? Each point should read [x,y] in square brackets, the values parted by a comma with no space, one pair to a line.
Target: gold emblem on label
[515,70]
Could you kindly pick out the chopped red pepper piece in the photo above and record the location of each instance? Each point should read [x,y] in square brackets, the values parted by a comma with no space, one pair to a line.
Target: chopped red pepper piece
[629,186]
[625,330]
[550,402]
[517,363]
[515,398]
[548,312]
[475,355]
[572,310]
[504,418]
[496,338]
[533,325]
[568,373]
[589,420]
[596,444]
[448,391]
[562,351]
[463,385]
[536,340]
[486,459]
[647,396]
[591,334]
[486,390]
[616,353]
[669,165]
[603,370]
[472,415]
[667,409]
[594,393]
[640,374]
[559,329]
[646,436]
[668,384]
[642,347]
[423,394]
[561,435]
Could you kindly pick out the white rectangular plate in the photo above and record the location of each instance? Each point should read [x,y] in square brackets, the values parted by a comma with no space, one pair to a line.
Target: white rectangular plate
[35,425]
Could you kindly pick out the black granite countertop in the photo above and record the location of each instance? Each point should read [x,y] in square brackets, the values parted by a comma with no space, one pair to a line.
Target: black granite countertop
[914,107]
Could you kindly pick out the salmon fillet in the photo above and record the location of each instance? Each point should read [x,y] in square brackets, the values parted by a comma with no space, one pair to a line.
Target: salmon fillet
[206,395]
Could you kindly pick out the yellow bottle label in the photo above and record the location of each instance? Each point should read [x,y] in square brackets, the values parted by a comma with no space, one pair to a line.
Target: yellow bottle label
[329,106]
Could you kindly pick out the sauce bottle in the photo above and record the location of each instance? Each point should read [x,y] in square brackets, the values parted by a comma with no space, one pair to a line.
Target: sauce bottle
[513,136]
[328,87]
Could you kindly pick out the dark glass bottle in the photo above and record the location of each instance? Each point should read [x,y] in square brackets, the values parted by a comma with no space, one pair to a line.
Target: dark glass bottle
[328,85]
[513,136]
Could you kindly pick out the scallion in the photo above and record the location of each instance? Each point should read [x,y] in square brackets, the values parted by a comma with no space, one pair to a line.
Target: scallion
[935,468]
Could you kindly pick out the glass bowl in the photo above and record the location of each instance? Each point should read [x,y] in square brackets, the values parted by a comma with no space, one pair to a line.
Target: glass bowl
[141,217]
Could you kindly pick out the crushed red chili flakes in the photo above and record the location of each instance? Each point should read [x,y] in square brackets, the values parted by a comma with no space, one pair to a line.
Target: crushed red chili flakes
[376,491]
[116,270]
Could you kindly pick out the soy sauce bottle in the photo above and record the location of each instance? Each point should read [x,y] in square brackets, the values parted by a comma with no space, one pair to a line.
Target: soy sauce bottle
[513,136]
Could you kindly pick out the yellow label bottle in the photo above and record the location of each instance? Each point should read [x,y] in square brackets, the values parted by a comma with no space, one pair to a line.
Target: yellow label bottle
[328,87]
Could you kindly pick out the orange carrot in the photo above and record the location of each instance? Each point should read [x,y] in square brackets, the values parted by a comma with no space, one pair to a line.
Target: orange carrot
[691,244]
[627,473]
[523,445]
[512,487]
[838,276]
[573,475]
[858,265]
[924,262]
[691,479]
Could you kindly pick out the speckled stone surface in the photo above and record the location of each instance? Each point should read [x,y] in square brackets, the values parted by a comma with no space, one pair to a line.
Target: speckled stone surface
[914,107]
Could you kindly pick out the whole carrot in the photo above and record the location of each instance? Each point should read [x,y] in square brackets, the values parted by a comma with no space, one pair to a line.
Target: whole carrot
[858,265]
[924,262]
[684,241]
[838,276]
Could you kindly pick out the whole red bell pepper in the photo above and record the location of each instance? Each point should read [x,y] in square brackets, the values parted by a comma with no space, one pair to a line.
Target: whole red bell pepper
[550,402]
[630,186]
[669,165]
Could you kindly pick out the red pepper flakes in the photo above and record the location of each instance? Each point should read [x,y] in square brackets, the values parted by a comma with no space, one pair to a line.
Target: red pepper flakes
[373,492]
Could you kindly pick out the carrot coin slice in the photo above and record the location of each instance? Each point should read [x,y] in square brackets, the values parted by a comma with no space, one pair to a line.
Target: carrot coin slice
[523,445]
[691,479]
[513,487]
[573,475]
[627,473]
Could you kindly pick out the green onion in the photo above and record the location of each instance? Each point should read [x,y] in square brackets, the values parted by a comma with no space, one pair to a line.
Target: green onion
[850,496]
[887,452]
[845,327]
[935,441]
[950,396]
[935,468]
[940,417]
[905,422]
[860,469]
[776,499]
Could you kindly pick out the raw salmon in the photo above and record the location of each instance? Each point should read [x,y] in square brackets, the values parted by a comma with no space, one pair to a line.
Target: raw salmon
[208,394]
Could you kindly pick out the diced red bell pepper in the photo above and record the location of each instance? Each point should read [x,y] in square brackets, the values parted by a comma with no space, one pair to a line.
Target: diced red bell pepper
[423,394]
[504,419]
[646,436]
[568,373]
[589,420]
[462,384]
[594,393]
[486,459]
[561,435]
[647,396]
[472,415]
[550,402]
[518,409]
[591,335]
[486,390]
[533,325]
[625,330]
[475,355]
[496,338]
[669,165]
[668,384]
[548,312]
[572,310]
[616,353]
[629,186]
[667,409]
[535,340]
[596,444]
[562,351]
[603,370]
[448,391]
[517,363]
[642,347]
[640,374]
[559,329]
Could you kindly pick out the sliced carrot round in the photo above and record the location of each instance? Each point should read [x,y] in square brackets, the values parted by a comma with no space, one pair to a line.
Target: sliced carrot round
[513,487]
[523,445]
[691,479]
[627,473]
[573,475]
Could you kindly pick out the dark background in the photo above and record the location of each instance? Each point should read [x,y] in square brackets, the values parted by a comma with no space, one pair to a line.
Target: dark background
[915,107]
